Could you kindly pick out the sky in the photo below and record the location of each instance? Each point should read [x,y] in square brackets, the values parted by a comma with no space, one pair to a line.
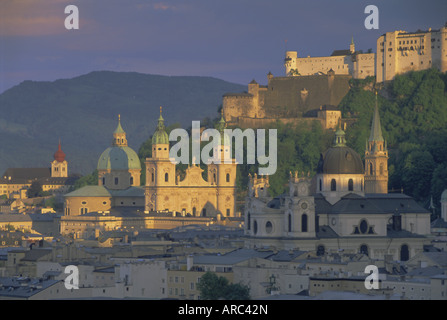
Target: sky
[233,40]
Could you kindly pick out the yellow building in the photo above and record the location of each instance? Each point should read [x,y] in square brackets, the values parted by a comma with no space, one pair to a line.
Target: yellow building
[165,191]
[54,179]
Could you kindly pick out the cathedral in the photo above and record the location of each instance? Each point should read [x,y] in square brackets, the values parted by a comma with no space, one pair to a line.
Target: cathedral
[193,194]
[344,207]
[165,201]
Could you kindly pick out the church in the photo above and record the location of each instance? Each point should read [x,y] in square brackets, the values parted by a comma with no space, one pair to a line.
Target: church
[345,207]
[119,201]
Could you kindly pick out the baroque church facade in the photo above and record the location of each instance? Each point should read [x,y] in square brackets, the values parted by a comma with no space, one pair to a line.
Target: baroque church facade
[165,201]
[193,194]
[344,207]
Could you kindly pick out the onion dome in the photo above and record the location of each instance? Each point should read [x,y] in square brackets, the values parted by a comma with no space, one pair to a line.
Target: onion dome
[160,136]
[59,155]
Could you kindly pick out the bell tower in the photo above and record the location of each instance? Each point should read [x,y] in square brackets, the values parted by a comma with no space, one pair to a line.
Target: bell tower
[59,166]
[160,171]
[376,158]
[222,173]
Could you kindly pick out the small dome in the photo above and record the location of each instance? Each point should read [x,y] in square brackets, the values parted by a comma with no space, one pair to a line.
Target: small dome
[119,158]
[340,160]
[160,136]
[59,155]
[444,196]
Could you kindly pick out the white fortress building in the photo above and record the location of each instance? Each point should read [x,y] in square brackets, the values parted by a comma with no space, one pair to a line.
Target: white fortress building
[401,51]
[396,52]
[342,62]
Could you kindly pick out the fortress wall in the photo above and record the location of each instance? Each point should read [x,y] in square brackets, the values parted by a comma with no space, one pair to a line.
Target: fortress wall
[254,123]
[235,106]
[303,93]
[312,65]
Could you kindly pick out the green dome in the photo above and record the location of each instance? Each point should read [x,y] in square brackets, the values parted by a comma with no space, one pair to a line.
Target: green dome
[119,158]
[160,136]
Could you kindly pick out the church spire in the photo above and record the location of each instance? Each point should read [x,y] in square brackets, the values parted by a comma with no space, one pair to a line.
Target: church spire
[160,136]
[119,135]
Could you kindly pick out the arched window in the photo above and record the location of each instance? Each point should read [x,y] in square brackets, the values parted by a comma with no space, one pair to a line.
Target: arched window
[194,211]
[320,250]
[304,223]
[116,181]
[255,227]
[289,223]
[350,185]
[103,181]
[214,178]
[131,181]
[228,177]
[153,176]
[404,253]
[381,169]
[370,169]
[268,227]
[333,185]
[321,185]
[166,177]
[248,221]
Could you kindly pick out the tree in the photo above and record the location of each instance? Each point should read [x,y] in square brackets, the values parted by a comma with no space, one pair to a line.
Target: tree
[213,287]
[88,180]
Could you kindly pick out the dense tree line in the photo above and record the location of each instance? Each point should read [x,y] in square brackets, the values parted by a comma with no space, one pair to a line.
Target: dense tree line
[413,112]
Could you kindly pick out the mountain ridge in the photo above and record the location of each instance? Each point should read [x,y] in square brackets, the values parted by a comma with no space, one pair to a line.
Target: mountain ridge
[83,112]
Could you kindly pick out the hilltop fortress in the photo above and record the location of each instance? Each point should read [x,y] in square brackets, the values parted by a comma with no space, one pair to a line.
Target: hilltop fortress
[313,87]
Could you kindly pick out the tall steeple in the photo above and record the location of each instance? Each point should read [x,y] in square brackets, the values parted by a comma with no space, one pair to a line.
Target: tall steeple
[376,157]
[352,46]
[119,135]
[376,128]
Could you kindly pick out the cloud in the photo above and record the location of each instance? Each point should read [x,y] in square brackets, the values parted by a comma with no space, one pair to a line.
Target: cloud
[32,18]
[163,6]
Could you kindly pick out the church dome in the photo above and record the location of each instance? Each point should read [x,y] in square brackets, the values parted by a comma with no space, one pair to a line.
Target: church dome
[340,159]
[119,158]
